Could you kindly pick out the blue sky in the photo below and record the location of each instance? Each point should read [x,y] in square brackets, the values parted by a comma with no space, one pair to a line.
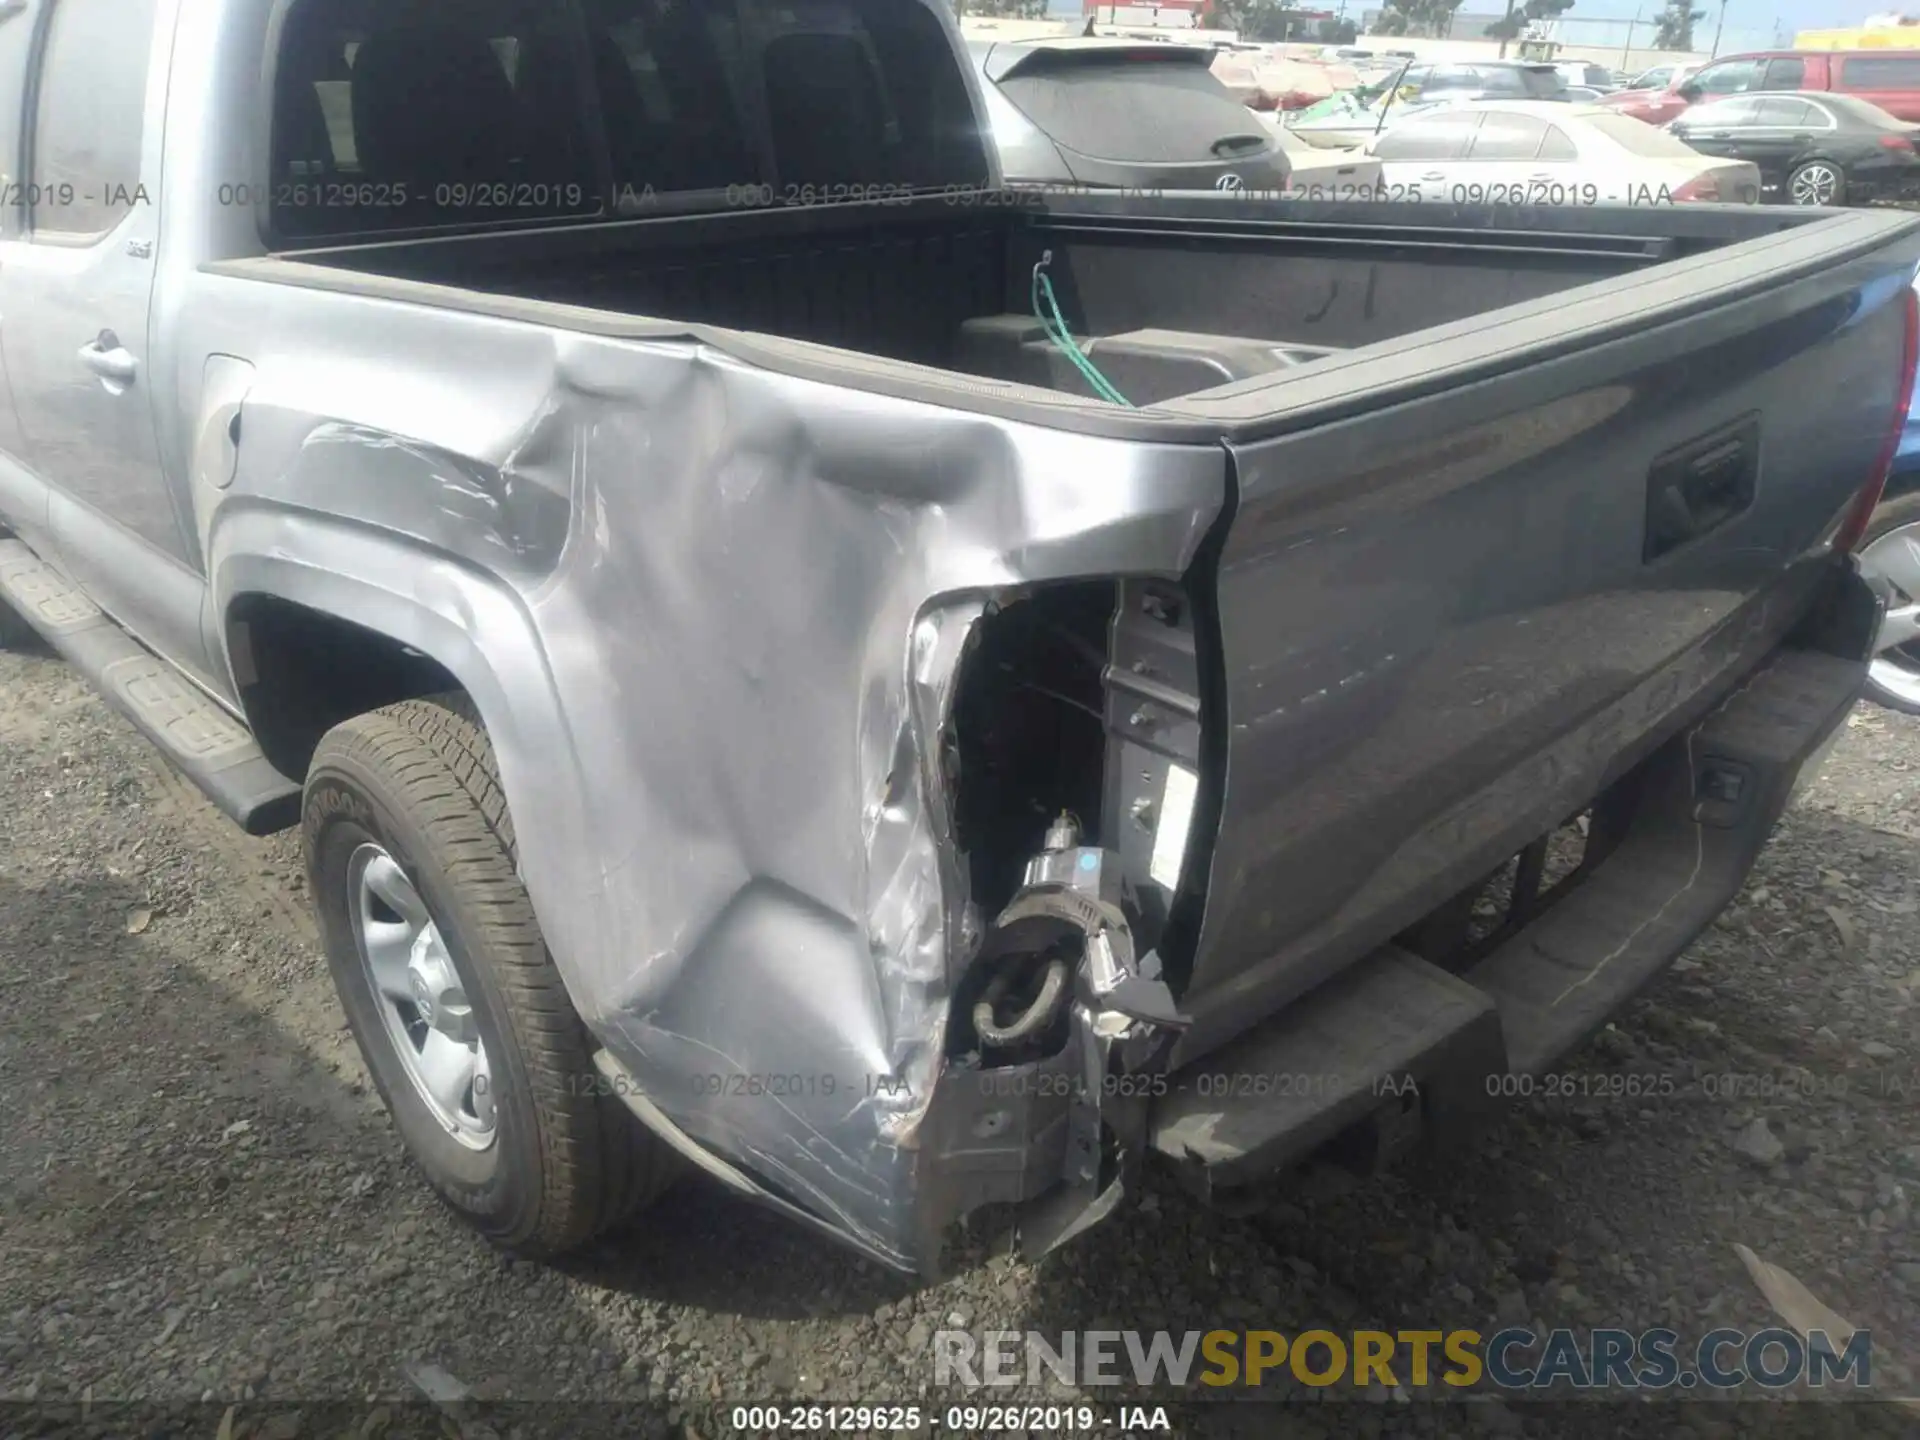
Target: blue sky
[1744,14]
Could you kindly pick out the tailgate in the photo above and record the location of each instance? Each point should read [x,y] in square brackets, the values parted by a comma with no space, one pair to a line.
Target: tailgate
[1537,542]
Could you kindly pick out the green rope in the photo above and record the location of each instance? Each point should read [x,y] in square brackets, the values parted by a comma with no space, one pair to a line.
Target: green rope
[1046,309]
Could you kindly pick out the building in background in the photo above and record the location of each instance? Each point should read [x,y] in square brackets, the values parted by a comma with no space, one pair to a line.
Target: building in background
[1464,24]
[1585,37]
[1879,32]
[1265,24]
[1165,15]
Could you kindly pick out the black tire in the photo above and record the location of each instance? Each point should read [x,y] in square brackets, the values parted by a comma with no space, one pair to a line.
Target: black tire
[15,633]
[1894,514]
[566,1160]
[1839,196]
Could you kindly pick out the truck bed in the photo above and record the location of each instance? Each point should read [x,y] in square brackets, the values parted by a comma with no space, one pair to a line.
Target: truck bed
[1188,296]
[1425,636]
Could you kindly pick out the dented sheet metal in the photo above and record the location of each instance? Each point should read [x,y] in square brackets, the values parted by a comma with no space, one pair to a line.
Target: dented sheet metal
[712,617]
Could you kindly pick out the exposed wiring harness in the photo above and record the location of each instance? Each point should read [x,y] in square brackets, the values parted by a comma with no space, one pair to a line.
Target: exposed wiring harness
[1034,1016]
[1046,309]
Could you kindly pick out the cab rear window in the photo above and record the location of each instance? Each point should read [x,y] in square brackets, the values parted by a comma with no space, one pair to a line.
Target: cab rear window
[427,114]
[386,119]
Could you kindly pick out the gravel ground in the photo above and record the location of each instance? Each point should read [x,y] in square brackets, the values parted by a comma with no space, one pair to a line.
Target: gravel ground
[201,1200]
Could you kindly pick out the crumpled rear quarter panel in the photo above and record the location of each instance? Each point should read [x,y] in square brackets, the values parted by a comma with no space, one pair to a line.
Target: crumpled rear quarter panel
[740,599]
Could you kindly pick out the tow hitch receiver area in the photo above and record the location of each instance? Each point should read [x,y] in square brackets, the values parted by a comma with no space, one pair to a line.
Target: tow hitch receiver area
[1396,1040]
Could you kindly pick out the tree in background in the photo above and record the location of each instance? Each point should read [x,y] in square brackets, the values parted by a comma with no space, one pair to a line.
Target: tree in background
[1004,9]
[1675,30]
[1417,17]
[1515,21]
[1337,32]
[1251,19]
[1266,20]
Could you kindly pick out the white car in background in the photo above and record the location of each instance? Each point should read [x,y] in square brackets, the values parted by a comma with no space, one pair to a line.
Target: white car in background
[1660,77]
[1316,173]
[1546,153]
[1585,75]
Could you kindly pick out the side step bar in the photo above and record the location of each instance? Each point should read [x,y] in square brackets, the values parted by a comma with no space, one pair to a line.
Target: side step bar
[1395,1047]
[204,742]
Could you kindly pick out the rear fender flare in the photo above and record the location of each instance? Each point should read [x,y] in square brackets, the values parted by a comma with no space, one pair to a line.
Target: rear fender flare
[457,615]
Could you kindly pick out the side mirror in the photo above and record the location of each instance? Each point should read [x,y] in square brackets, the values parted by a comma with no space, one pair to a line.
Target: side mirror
[1689,92]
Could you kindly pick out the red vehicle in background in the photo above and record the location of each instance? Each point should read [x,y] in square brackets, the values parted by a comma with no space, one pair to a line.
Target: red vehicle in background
[1887,78]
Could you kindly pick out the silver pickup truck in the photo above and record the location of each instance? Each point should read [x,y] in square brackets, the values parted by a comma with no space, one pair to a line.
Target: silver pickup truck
[792,661]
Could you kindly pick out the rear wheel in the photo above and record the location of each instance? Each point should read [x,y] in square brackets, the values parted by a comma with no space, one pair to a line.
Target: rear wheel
[1891,550]
[449,989]
[1818,182]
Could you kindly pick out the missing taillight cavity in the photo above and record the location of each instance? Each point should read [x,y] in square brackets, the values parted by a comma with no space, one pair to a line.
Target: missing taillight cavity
[1868,499]
[1029,731]
[1073,761]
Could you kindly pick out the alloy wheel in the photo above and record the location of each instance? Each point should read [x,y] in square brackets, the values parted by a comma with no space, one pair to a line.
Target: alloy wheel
[421,997]
[1896,662]
[1814,184]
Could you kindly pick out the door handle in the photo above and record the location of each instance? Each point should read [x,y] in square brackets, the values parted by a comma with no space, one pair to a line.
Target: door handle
[106,357]
[1434,175]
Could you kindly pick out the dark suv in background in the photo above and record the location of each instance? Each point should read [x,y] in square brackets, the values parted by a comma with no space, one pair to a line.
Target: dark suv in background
[1484,80]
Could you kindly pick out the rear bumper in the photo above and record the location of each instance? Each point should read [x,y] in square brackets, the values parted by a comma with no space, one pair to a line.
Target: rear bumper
[1895,180]
[1890,193]
[1396,1051]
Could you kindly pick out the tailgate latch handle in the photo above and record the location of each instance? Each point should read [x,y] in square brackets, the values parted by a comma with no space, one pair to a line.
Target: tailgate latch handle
[1697,487]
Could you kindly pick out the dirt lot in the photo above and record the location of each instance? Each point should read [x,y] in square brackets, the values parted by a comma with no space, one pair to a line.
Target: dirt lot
[198,1197]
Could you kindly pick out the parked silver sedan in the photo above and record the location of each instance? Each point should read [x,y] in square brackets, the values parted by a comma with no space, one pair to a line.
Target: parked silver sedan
[1353,116]
[1529,152]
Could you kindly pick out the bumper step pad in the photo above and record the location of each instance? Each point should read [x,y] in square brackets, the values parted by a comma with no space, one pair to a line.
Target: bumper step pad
[1325,1064]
